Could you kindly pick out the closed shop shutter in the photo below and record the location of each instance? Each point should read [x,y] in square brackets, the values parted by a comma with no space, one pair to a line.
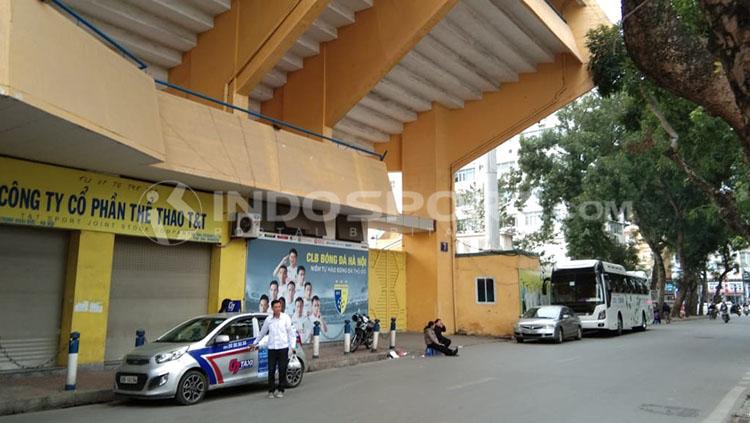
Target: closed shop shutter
[32,281]
[154,287]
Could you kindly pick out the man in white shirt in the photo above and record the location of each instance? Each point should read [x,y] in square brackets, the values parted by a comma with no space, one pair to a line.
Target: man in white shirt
[281,340]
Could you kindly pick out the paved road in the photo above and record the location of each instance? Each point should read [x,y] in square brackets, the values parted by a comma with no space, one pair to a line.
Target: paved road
[687,371]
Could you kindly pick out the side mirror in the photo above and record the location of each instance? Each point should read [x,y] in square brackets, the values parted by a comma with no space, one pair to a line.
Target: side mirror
[221,339]
[566,316]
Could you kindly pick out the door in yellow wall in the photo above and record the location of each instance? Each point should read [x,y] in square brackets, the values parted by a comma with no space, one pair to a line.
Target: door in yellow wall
[387,288]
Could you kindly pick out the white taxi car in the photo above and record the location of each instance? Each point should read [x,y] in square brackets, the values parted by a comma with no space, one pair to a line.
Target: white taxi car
[201,354]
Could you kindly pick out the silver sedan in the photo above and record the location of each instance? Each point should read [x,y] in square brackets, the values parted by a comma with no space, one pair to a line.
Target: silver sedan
[554,322]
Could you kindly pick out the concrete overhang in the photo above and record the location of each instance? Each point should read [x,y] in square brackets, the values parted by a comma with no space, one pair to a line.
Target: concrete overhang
[402,224]
[67,99]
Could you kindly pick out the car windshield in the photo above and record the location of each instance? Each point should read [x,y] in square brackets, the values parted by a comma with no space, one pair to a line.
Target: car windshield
[192,330]
[542,313]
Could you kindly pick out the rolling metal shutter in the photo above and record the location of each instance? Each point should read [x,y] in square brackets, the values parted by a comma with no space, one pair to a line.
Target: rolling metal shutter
[154,287]
[32,281]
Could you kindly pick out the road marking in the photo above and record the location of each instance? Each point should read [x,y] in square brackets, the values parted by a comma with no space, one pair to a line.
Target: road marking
[467,384]
[722,410]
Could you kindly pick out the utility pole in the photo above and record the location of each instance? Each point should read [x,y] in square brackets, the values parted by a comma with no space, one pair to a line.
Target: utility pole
[491,214]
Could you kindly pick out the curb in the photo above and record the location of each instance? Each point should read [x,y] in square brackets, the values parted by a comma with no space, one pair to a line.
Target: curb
[56,400]
[346,361]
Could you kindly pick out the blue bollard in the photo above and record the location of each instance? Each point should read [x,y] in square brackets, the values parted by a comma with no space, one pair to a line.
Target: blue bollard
[316,340]
[140,337]
[70,381]
[347,337]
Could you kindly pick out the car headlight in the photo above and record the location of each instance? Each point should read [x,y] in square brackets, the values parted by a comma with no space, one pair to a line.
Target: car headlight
[602,315]
[550,326]
[172,355]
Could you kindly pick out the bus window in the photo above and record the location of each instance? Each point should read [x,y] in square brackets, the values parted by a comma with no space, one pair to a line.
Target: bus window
[631,286]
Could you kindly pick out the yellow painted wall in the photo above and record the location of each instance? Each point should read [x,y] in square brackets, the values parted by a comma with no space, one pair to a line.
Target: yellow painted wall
[227,279]
[386,290]
[489,319]
[86,295]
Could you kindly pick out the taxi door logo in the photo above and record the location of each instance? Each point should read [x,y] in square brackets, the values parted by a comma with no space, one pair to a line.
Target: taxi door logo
[341,296]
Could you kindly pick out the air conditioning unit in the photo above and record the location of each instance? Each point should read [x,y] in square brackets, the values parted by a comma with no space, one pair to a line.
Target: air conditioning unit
[246,225]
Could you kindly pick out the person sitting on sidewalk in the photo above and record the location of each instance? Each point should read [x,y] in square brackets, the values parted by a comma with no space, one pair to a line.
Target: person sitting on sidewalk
[432,342]
[439,328]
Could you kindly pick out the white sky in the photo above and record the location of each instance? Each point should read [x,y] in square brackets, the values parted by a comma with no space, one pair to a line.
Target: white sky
[611,8]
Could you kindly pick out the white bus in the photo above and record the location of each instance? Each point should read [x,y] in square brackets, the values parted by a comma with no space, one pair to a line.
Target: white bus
[604,295]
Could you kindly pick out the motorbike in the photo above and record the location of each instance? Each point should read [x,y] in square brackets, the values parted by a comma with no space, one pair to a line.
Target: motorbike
[725,314]
[736,310]
[712,313]
[746,310]
[363,331]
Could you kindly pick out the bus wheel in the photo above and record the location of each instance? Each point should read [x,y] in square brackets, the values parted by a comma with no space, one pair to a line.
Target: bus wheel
[644,326]
[618,331]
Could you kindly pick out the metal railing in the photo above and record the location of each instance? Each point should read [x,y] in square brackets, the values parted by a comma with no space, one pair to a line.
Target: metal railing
[143,65]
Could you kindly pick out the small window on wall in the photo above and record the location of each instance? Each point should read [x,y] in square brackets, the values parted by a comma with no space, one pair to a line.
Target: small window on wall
[485,290]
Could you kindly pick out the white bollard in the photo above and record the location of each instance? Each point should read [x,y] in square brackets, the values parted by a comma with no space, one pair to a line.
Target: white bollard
[393,333]
[375,335]
[316,340]
[70,381]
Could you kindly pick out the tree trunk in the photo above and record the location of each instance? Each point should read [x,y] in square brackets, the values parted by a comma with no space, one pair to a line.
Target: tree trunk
[679,60]
[730,43]
[658,273]
[684,285]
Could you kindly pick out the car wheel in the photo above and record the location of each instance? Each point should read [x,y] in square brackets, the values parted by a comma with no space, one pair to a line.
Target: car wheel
[559,336]
[192,388]
[519,340]
[294,376]
[579,334]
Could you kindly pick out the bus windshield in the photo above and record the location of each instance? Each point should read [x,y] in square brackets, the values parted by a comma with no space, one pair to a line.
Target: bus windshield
[577,289]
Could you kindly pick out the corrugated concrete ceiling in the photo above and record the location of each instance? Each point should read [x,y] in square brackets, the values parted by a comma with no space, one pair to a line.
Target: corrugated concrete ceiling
[477,47]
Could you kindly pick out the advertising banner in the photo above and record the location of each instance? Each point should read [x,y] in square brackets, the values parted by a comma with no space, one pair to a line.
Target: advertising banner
[319,280]
[57,197]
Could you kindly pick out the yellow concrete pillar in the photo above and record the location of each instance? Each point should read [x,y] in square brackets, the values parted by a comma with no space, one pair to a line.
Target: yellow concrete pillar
[227,280]
[426,173]
[86,297]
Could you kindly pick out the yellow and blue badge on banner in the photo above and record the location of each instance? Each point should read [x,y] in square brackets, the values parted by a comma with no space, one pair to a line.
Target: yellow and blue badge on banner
[341,296]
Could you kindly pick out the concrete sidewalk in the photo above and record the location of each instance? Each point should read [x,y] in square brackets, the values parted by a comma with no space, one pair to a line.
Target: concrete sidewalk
[27,391]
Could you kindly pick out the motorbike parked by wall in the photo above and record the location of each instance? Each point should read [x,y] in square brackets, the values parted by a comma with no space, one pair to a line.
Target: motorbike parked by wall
[363,331]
